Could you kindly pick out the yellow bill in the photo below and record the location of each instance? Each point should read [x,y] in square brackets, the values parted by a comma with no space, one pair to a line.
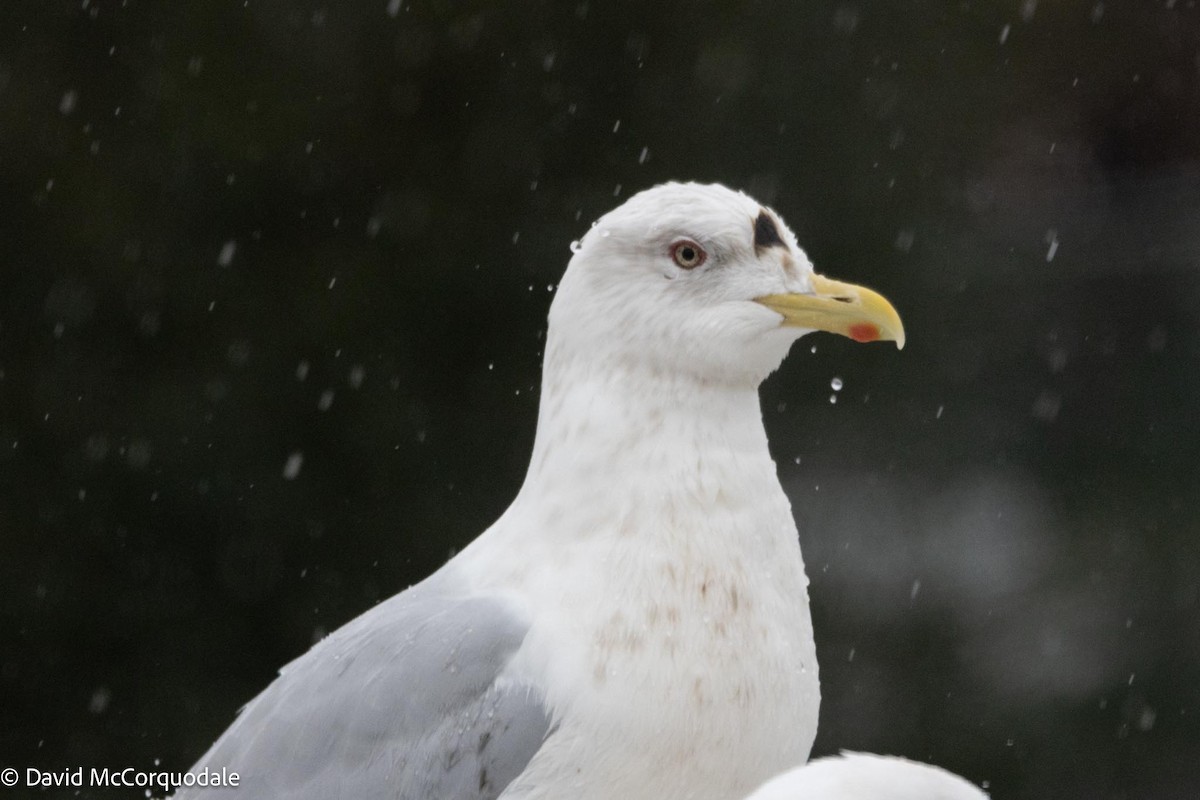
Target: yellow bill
[836,307]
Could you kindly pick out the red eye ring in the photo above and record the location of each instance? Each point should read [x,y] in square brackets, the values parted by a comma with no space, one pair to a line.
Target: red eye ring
[687,254]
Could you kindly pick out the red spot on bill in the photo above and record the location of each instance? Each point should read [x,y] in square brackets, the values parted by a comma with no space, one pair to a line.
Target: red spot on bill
[864,332]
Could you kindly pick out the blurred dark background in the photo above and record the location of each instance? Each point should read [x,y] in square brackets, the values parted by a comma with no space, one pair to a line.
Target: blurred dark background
[273,286]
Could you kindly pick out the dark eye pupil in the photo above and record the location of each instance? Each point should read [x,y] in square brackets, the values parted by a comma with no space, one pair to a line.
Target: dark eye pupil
[688,254]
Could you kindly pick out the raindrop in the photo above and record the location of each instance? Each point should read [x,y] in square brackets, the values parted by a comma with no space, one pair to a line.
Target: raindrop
[325,402]
[836,384]
[1146,719]
[1004,33]
[1052,239]
[100,700]
[576,246]
[291,468]
[302,370]
[833,398]
[227,252]
[67,104]
[644,155]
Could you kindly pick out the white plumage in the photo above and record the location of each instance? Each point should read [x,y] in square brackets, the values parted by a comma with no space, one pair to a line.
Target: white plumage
[864,776]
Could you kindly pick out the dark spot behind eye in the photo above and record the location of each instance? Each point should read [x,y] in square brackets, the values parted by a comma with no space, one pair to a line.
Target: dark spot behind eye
[765,233]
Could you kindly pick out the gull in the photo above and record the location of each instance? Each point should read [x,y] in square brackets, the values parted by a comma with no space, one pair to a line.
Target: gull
[636,624]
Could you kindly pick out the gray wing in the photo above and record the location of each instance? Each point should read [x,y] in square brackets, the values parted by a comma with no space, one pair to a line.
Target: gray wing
[402,703]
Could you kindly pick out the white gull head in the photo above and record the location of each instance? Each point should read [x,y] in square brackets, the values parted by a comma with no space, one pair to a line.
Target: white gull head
[701,279]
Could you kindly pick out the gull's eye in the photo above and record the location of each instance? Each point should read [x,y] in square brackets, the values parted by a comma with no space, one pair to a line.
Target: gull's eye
[687,254]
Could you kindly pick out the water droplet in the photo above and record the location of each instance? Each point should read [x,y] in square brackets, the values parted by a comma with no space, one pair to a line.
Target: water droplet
[576,246]
[1146,719]
[836,384]
[100,700]
[1052,250]
[833,399]
[227,252]
[291,468]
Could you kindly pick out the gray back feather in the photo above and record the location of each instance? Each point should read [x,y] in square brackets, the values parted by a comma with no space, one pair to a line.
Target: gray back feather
[402,703]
